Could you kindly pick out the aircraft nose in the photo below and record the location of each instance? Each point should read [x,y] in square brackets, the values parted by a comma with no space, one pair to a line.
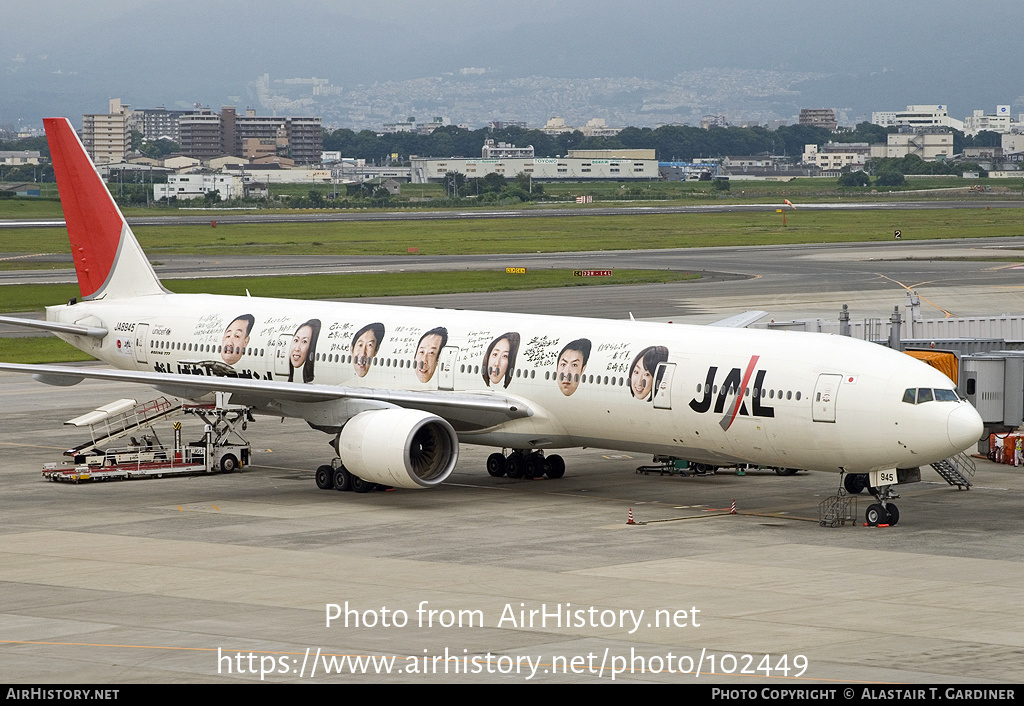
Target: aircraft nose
[964,426]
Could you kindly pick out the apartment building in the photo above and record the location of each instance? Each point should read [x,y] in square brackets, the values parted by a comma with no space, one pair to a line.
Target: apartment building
[107,136]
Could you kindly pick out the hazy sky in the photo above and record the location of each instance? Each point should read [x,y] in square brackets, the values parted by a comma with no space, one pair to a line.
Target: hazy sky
[69,58]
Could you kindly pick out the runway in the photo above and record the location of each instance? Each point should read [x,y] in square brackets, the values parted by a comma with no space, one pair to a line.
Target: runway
[181,580]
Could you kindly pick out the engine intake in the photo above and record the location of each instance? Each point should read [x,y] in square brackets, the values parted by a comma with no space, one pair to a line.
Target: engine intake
[404,448]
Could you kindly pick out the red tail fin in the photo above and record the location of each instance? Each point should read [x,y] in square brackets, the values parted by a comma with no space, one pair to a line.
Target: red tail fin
[108,259]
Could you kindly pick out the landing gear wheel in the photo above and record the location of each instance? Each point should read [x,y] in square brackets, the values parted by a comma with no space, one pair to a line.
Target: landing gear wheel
[515,465]
[894,514]
[324,477]
[228,464]
[342,479]
[362,486]
[786,471]
[534,465]
[554,467]
[496,465]
[876,515]
[855,483]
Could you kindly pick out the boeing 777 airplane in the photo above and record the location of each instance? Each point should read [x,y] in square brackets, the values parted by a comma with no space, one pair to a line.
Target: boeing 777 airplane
[399,388]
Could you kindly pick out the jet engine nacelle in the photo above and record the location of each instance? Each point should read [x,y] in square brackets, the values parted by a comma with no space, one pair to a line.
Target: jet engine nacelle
[404,448]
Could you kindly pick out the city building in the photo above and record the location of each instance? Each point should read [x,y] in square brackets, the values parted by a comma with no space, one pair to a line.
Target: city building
[200,134]
[357,171]
[1013,143]
[917,116]
[688,171]
[740,162]
[205,134]
[710,121]
[435,122]
[612,154]
[556,126]
[578,165]
[180,163]
[410,125]
[107,136]
[196,186]
[596,127]
[504,150]
[19,157]
[502,124]
[1001,121]
[836,155]
[158,123]
[930,144]
[819,117]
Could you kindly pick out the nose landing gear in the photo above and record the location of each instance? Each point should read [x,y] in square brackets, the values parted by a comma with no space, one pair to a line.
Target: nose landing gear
[884,512]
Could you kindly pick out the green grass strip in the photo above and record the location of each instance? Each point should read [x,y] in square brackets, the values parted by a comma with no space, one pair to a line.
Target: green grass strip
[39,349]
[544,234]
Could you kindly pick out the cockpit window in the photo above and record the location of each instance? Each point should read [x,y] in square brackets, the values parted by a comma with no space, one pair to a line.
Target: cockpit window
[917,395]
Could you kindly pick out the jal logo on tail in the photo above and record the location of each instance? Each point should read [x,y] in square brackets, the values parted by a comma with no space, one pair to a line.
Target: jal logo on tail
[733,386]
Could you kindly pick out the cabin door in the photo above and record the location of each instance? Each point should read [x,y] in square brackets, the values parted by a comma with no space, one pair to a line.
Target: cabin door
[663,385]
[823,404]
[141,341]
[284,341]
[446,368]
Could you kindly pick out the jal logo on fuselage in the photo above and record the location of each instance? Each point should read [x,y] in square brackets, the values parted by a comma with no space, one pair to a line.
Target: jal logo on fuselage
[733,386]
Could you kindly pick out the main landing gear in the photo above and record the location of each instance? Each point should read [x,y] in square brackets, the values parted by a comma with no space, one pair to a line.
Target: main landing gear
[525,464]
[337,477]
[884,512]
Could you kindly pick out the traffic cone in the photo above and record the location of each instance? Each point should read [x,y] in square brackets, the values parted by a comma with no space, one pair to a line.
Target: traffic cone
[629,521]
[732,509]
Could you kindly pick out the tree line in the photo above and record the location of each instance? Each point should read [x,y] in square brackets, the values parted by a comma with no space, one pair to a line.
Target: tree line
[670,142]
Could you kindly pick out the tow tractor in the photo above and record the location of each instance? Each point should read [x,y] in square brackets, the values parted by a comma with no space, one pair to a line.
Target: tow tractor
[221,448]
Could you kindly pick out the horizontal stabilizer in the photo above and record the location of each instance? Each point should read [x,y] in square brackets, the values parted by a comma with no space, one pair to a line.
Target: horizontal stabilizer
[53,327]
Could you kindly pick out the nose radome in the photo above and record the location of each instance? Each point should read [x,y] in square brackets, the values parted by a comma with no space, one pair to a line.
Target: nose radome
[964,426]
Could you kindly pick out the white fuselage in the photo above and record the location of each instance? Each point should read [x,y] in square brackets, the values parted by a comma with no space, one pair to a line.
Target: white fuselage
[723,395]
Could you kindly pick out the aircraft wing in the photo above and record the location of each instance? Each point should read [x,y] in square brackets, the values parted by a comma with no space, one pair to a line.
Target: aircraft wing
[327,405]
[740,320]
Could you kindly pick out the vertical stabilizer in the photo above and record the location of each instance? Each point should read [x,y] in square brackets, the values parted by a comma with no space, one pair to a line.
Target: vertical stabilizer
[108,259]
